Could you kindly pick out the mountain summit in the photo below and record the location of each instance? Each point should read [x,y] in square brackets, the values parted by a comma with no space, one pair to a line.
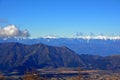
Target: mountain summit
[19,56]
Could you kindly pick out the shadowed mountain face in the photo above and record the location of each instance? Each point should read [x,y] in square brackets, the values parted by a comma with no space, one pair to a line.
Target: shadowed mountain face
[16,56]
[99,62]
[20,56]
[114,62]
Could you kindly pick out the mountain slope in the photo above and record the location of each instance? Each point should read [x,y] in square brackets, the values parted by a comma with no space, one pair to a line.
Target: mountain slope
[99,62]
[16,56]
[19,56]
[114,62]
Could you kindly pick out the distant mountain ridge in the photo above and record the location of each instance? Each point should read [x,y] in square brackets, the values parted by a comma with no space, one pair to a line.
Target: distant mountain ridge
[96,46]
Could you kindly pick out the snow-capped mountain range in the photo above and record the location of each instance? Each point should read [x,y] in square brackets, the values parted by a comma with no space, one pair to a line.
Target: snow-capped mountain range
[97,45]
[88,37]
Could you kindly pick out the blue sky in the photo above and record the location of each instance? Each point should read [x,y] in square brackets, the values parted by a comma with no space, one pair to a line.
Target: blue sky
[62,17]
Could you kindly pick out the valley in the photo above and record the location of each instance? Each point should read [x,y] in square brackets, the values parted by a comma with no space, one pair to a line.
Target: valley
[67,74]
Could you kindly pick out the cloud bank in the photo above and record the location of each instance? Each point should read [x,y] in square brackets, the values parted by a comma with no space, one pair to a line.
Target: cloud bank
[13,31]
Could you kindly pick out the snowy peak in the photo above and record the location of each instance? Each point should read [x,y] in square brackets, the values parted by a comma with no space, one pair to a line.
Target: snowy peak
[101,45]
[50,36]
[100,37]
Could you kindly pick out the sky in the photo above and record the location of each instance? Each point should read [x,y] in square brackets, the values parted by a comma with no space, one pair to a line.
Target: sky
[62,17]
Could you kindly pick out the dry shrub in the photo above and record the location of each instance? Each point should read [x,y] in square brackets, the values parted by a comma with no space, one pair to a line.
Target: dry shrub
[32,76]
[79,77]
[2,77]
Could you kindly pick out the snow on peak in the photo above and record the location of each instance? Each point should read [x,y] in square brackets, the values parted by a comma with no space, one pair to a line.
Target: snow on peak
[100,37]
[50,36]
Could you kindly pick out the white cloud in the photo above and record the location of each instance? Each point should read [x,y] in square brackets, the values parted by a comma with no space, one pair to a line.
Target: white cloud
[13,31]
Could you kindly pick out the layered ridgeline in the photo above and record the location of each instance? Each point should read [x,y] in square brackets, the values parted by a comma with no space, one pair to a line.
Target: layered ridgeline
[99,45]
[15,56]
[20,57]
